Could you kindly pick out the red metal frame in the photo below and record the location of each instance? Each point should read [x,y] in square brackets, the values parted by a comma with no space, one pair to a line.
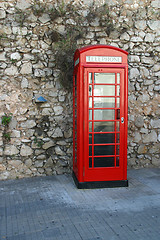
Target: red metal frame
[81,168]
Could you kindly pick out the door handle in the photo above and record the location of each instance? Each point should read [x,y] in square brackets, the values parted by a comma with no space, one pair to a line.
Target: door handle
[122,119]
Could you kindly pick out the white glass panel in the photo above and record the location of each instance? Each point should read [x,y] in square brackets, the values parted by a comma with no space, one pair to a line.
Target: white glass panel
[118,102]
[90,102]
[104,90]
[90,114]
[118,90]
[118,78]
[104,114]
[104,102]
[108,78]
[90,77]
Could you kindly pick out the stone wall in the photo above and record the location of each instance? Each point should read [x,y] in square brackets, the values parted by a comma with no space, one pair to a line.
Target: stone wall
[38,140]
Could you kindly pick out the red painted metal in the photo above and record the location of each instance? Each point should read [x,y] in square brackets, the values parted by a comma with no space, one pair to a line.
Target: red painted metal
[83,169]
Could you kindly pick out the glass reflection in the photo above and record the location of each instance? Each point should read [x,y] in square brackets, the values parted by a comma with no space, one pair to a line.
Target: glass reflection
[104,90]
[104,78]
[90,114]
[117,127]
[104,102]
[118,102]
[104,126]
[90,126]
[108,114]
[90,102]
[118,78]
[90,77]
[118,90]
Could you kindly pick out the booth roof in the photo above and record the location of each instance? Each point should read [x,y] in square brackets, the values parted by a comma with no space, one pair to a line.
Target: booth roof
[86,48]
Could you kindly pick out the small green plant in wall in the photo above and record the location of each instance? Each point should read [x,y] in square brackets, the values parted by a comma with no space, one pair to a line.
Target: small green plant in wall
[7,136]
[6,119]
[38,142]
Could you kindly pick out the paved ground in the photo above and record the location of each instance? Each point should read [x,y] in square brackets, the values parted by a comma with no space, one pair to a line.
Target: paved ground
[52,208]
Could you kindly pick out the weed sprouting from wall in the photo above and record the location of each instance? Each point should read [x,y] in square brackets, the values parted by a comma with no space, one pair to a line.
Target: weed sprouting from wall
[6,119]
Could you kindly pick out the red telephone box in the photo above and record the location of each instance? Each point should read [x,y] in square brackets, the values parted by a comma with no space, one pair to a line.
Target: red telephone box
[100,103]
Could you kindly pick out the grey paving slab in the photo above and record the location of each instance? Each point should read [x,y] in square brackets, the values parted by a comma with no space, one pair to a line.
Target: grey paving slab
[52,208]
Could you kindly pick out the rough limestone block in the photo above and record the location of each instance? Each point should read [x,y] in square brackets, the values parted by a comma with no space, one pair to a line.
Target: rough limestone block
[58,110]
[49,163]
[57,133]
[48,145]
[154,25]
[2,56]
[28,124]
[137,137]
[11,71]
[15,163]
[151,137]
[11,150]
[44,18]
[23,4]
[16,56]
[26,68]
[125,36]
[155,3]
[24,83]
[59,151]
[139,122]
[2,13]
[142,149]
[141,24]
[134,73]
[26,151]
[155,123]
[149,37]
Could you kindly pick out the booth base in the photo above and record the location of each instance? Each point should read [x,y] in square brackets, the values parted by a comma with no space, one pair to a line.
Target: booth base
[99,184]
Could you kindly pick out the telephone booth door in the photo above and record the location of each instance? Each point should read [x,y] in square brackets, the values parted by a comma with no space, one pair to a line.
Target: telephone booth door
[103,107]
[104,120]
